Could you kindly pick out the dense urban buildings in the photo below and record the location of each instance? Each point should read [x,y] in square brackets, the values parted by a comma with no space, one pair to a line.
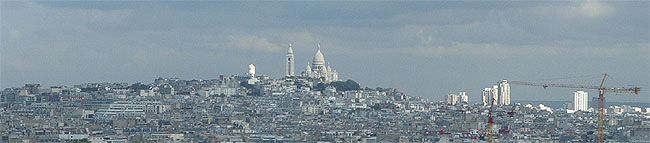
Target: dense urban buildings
[314,107]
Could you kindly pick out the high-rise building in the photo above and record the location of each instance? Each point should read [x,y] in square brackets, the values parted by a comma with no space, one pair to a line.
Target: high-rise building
[504,92]
[463,97]
[580,101]
[452,99]
[594,103]
[488,94]
[290,62]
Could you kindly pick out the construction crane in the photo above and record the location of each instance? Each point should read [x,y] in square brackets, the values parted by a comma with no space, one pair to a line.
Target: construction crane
[601,98]
[490,121]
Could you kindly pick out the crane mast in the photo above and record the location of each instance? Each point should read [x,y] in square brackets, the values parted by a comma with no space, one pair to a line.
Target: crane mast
[490,122]
[601,103]
[601,98]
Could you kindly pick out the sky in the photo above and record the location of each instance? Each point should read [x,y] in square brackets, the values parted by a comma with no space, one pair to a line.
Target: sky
[425,49]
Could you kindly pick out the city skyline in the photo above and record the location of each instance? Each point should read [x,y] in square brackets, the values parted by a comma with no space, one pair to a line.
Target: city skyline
[420,51]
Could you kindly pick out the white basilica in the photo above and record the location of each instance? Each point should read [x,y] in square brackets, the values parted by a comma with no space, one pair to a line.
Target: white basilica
[317,70]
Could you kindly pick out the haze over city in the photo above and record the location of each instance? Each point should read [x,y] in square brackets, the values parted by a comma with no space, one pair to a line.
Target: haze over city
[423,49]
[324,71]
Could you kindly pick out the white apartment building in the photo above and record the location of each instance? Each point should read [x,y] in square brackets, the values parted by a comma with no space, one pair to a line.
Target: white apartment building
[580,101]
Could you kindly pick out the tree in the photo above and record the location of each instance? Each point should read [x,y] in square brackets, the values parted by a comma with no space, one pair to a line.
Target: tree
[352,85]
[320,86]
[138,86]
[339,85]
[346,86]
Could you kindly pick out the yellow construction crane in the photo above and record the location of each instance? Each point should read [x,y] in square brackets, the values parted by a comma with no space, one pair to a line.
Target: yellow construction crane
[601,99]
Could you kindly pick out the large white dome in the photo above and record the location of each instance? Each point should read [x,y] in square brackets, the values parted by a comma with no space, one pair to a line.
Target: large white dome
[319,59]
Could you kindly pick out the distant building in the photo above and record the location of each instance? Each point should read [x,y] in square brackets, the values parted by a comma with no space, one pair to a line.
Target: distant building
[290,63]
[568,106]
[319,70]
[488,94]
[33,88]
[491,95]
[463,97]
[594,103]
[452,99]
[129,108]
[219,90]
[251,72]
[504,92]
[56,89]
[122,109]
[580,101]
[150,92]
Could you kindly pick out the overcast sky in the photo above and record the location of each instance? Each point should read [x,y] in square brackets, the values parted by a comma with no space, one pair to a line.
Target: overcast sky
[426,49]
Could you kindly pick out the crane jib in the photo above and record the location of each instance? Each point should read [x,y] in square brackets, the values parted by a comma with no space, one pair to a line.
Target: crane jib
[601,99]
[634,90]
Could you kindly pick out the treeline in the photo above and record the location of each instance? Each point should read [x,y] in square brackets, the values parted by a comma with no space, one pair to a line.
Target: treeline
[339,85]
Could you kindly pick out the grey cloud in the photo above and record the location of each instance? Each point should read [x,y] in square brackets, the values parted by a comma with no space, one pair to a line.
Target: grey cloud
[251,42]
[422,48]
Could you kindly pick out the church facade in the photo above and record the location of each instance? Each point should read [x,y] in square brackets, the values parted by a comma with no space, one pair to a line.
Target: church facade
[317,70]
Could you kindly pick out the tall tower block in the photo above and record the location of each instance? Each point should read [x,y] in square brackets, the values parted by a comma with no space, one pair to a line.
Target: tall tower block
[290,62]
[504,92]
[580,100]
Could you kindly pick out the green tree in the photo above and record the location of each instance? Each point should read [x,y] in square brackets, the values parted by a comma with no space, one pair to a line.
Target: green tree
[320,86]
[352,85]
[138,86]
[345,85]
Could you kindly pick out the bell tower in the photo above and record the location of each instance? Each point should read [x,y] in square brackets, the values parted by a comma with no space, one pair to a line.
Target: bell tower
[289,62]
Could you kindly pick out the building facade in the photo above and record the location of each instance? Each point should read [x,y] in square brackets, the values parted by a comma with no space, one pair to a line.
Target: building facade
[452,99]
[580,101]
[504,92]
[463,97]
[319,70]
[491,95]
[488,94]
